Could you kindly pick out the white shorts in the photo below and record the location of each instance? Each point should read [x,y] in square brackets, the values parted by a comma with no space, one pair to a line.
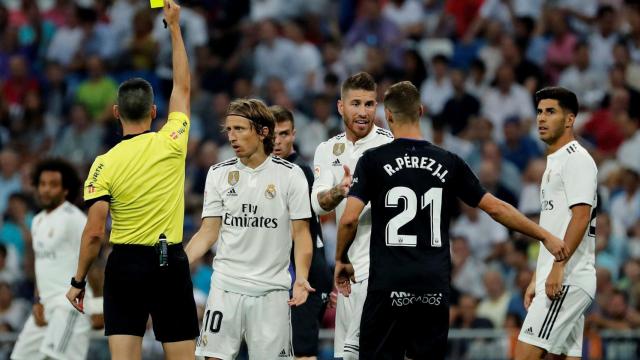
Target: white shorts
[262,321]
[348,315]
[65,337]
[557,325]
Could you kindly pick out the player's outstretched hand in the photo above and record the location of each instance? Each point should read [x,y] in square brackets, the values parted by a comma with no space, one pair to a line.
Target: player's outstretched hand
[556,247]
[345,184]
[76,298]
[171,12]
[529,294]
[342,277]
[553,285]
[38,314]
[301,290]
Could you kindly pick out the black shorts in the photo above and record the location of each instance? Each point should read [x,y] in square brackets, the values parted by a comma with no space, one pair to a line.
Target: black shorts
[305,323]
[399,324]
[135,286]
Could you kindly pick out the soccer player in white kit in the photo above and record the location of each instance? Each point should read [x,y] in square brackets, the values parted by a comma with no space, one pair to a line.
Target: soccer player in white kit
[333,162]
[55,330]
[254,204]
[560,292]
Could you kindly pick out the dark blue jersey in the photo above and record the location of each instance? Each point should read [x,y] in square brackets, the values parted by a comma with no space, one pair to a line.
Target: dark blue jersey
[412,185]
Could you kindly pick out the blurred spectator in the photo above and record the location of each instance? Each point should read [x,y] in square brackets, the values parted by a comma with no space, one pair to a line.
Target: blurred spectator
[529,199]
[630,148]
[16,229]
[634,240]
[439,133]
[437,89]
[611,249]
[466,275]
[373,29]
[140,47]
[407,15]
[9,177]
[274,57]
[81,140]
[506,99]
[560,50]
[508,174]
[477,83]
[486,237]
[414,68]
[467,317]
[625,206]
[490,54]
[583,79]
[307,61]
[9,271]
[323,125]
[489,175]
[13,312]
[122,15]
[602,128]
[522,280]
[97,93]
[616,314]
[602,41]
[34,31]
[526,72]
[19,83]
[518,147]
[461,106]
[461,13]
[59,12]
[604,288]
[55,93]
[494,306]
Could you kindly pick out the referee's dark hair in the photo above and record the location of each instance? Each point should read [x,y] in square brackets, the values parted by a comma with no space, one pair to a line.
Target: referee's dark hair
[70,180]
[403,101]
[259,115]
[135,99]
[359,81]
[566,98]
[282,114]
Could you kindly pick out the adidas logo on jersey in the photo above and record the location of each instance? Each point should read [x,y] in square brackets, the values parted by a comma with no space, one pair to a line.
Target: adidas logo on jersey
[336,163]
[529,331]
[283,353]
[232,192]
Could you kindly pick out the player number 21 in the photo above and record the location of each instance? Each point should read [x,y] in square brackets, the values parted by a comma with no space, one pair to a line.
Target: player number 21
[432,198]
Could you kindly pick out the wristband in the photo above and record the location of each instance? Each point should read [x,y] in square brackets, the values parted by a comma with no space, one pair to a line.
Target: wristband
[78,284]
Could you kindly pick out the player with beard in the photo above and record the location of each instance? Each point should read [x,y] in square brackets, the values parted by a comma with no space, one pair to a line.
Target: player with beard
[55,329]
[333,162]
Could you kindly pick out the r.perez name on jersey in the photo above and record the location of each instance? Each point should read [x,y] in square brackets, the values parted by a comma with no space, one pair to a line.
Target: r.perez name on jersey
[417,162]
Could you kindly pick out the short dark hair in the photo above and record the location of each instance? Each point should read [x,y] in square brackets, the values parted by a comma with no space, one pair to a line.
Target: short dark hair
[258,115]
[135,98]
[403,100]
[566,98]
[359,81]
[282,114]
[70,180]
[440,58]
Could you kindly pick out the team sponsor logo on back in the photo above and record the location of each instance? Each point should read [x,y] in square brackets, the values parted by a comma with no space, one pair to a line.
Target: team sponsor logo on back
[401,298]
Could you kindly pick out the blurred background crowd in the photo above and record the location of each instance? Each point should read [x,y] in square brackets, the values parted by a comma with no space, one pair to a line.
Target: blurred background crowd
[477,64]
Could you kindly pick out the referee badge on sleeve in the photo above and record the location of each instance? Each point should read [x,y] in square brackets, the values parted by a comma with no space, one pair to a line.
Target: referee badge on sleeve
[270,193]
[233,177]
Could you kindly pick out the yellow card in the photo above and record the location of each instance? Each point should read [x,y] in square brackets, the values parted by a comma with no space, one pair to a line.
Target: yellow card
[156,3]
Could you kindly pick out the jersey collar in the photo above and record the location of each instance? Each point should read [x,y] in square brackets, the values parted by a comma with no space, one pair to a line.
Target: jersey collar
[370,136]
[131,136]
[243,167]
[562,151]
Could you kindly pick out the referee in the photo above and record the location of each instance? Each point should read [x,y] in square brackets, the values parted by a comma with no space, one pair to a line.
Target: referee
[141,182]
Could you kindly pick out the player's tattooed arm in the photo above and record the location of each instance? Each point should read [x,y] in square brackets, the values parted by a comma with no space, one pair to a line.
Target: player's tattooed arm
[331,198]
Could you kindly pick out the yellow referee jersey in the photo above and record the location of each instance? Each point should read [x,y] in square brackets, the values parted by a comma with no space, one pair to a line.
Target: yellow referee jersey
[142,177]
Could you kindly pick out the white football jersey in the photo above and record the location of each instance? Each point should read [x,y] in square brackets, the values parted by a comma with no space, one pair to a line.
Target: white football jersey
[569,179]
[327,163]
[256,207]
[56,245]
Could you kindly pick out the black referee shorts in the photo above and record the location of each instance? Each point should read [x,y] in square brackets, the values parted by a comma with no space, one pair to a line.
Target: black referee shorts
[135,286]
[396,325]
[305,323]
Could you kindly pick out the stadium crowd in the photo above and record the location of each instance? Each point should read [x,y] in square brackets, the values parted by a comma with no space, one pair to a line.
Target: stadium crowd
[476,62]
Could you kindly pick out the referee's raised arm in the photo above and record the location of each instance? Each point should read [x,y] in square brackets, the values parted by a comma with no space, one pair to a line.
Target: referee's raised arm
[181,93]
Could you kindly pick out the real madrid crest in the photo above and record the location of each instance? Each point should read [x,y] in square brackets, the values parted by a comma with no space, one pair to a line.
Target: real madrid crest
[233,177]
[270,193]
[338,149]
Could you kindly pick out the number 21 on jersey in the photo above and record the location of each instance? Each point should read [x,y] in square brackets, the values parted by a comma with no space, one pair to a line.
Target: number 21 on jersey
[432,198]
